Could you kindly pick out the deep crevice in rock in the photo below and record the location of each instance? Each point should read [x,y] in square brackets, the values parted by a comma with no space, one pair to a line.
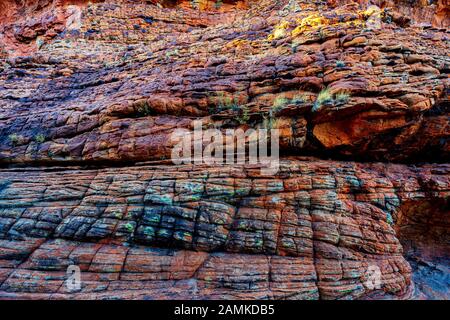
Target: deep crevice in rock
[423,228]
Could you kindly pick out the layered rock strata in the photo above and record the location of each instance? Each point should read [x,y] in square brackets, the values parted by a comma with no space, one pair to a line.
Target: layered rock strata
[92,93]
[310,232]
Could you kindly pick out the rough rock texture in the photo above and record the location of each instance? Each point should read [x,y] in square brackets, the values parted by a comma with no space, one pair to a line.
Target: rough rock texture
[90,93]
[97,94]
[310,232]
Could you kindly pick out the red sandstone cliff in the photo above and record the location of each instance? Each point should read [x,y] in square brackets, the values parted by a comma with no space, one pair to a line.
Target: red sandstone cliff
[90,95]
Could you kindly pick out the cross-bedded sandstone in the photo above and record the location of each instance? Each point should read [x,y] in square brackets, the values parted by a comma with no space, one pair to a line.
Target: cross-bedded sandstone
[98,89]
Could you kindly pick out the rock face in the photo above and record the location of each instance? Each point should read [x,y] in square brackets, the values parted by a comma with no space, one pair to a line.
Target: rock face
[310,232]
[92,94]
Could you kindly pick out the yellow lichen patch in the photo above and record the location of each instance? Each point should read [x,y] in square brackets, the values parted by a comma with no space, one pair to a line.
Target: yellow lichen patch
[373,16]
[312,21]
[237,43]
[279,31]
[203,4]
[354,23]
[317,21]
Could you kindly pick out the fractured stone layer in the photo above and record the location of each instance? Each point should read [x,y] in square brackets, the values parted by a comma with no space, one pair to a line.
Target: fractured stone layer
[309,232]
[91,94]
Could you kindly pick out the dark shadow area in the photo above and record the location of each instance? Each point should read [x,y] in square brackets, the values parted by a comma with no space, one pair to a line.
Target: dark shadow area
[423,228]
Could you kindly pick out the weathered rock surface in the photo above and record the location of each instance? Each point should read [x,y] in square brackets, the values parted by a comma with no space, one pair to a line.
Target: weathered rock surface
[310,232]
[97,88]
[97,93]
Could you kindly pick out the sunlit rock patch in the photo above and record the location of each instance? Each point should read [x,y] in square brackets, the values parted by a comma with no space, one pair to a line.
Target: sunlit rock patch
[92,93]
